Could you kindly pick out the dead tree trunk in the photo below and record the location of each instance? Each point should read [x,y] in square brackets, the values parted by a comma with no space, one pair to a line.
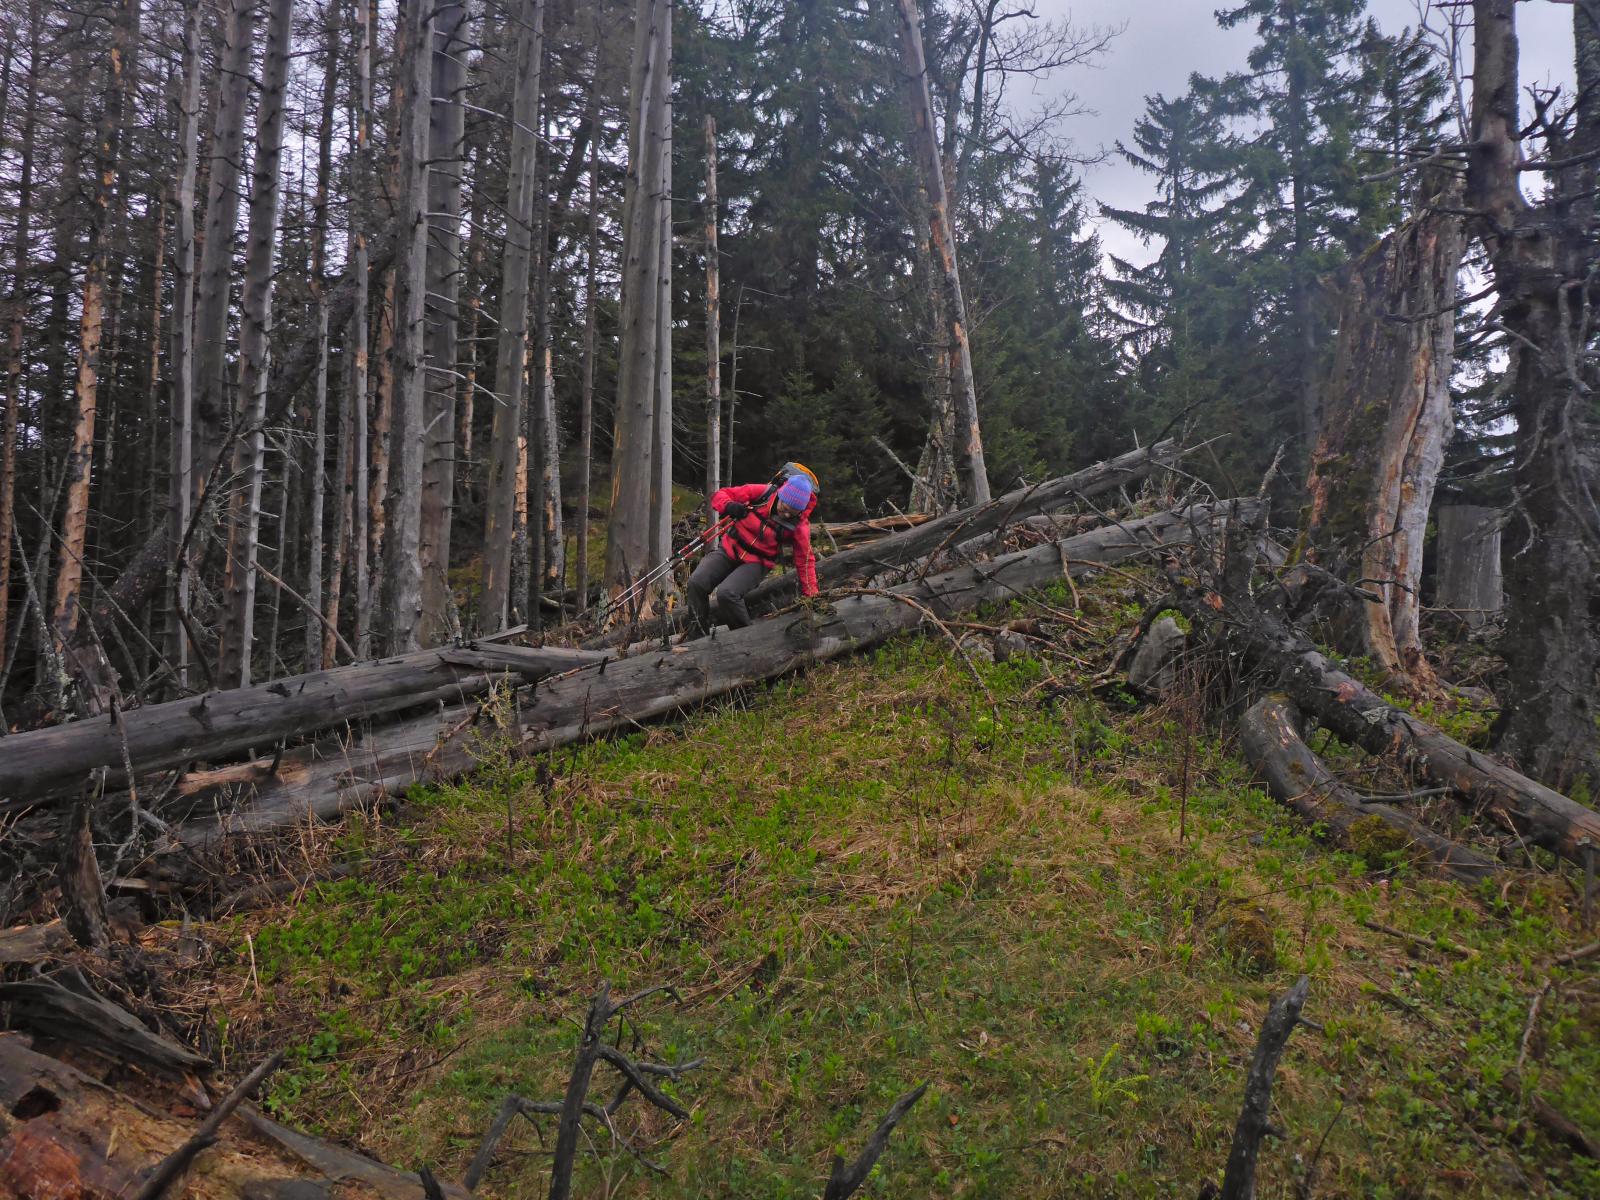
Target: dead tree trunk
[1273,744]
[18,319]
[1469,583]
[214,411]
[46,763]
[1386,415]
[446,168]
[401,606]
[661,461]
[713,325]
[590,323]
[969,439]
[314,634]
[255,348]
[1542,258]
[67,609]
[634,476]
[505,437]
[356,395]
[1286,660]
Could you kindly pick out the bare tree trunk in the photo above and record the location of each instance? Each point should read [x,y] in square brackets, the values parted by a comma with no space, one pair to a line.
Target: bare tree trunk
[713,325]
[181,485]
[19,317]
[1543,261]
[969,438]
[446,169]
[401,607]
[1469,576]
[379,448]
[629,532]
[590,321]
[1386,418]
[661,467]
[255,348]
[214,412]
[540,401]
[314,634]
[356,398]
[506,447]
[67,607]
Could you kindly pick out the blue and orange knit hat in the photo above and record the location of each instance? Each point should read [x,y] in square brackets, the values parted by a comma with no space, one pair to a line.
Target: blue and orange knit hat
[796,492]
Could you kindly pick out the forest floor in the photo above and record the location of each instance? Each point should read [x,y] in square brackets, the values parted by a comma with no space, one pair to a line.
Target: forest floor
[1067,918]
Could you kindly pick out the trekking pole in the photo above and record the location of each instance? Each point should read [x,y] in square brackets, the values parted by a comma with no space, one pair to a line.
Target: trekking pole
[644,581]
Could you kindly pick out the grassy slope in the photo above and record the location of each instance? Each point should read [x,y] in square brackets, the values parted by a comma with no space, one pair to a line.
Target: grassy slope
[859,882]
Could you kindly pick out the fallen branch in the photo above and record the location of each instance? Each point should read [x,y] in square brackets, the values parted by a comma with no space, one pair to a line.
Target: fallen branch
[843,1181]
[174,1164]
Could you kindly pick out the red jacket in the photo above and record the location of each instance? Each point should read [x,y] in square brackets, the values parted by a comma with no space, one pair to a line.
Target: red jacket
[752,539]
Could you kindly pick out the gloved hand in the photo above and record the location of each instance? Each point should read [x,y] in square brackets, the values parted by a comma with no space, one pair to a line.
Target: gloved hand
[735,509]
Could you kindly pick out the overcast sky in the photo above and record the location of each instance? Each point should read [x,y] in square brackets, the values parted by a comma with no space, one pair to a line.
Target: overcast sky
[1166,40]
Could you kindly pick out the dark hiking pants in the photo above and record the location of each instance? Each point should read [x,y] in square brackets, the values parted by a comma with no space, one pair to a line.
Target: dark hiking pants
[719,574]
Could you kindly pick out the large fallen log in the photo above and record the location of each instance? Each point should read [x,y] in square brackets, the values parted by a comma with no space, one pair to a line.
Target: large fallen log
[1270,735]
[64,1133]
[324,782]
[1262,642]
[218,725]
[860,563]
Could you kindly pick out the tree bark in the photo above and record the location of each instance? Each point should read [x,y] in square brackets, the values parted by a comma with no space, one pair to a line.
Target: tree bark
[18,319]
[314,633]
[67,606]
[661,460]
[1541,259]
[630,531]
[590,324]
[255,349]
[1385,419]
[356,399]
[713,325]
[969,438]
[401,606]
[1255,1119]
[214,411]
[505,436]
[446,172]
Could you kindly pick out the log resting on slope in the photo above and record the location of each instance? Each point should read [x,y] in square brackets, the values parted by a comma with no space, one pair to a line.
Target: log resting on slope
[622,694]
[1361,718]
[218,725]
[861,562]
[1272,742]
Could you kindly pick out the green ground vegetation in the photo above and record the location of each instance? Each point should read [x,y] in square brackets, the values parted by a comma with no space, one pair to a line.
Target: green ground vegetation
[1067,916]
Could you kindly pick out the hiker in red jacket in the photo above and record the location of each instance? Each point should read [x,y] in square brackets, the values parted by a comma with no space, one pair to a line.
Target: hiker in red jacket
[764,519]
